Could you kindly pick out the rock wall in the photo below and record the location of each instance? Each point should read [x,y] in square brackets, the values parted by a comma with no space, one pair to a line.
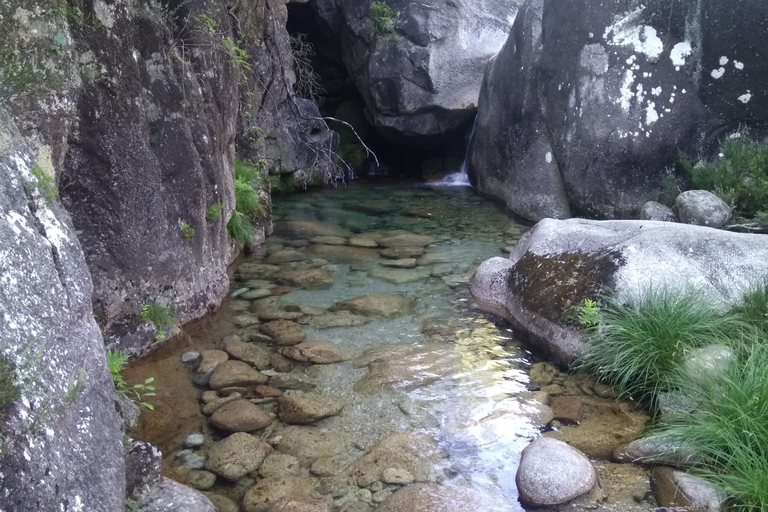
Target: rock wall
[584,110]
[420,81]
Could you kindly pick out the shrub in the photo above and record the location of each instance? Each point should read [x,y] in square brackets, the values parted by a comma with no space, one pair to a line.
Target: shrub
[639,345]
[739,176]
[187,231]
[240,228]
[214,212]
[383,17]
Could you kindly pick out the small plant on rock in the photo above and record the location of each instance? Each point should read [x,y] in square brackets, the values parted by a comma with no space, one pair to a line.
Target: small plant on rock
[9,392]
[187,231]
[161,316]
[214,212]
[240,229]
[138,393]
[588,314]
[383,17]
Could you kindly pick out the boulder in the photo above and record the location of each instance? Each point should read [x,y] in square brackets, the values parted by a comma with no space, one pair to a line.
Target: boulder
[702,208]
[383,305]
[308,444]
[678,489]
[264,495]
[310,279]
[235,373]
[420,76]
[552,473]
[302,407]
[587,105]
[558,264]
[240,416]
[657,211]
[236,456]
[320,352]
[171,496]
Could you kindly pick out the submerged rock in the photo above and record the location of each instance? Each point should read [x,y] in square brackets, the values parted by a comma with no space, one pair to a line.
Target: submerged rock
[552,473]
[236,456]
[267,492]
[300,408]
[284,332]
[320,352]
[280,464]
[310,279]
[240,416]
[441,498]
[342,253]
[308,444]
[248,352]
[235,373]
[400,276]
[383,305]
[306,229]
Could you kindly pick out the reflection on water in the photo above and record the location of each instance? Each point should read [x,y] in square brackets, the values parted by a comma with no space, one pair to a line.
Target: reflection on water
[443,369]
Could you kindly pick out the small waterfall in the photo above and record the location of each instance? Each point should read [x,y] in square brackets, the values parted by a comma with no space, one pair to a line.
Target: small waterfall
[460,178]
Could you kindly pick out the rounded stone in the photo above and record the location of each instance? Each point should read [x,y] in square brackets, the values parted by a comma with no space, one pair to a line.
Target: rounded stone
[202,480]
[250,353]
[657,211]
[284,332]
[235,373]
[552,473]
[702,208]
[397,476]
[321,352]
[280,464]
[240,416]
[301,408]
[236,456]
[210,359]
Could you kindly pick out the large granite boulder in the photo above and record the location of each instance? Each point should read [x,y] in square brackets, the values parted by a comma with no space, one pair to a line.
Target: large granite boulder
[559,263]
[587,104]
[421,80]
[60,437]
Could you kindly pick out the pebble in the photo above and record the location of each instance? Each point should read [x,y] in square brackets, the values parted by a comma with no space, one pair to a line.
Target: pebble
[191,459]
[194,440]
[190,357]
[202,480]
[397,476]
[238,292]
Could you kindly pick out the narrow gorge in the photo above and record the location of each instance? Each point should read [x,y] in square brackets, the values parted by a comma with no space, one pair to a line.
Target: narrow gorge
[383,256]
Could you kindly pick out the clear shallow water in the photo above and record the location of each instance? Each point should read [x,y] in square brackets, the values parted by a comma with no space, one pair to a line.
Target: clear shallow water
[445,370]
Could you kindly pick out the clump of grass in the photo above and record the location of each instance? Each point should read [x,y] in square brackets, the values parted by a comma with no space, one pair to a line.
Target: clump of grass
[45,183]
[728,427]
[247,201]
[161,316]
[753,309]
[214,212]
[187,231]
[240,228]
[739,176]
[383,17]
[9,392]
[640,344]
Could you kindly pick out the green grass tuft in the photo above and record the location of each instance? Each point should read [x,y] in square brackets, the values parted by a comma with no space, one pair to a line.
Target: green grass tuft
[754,307]
[214,212]
[739,177]
[247,201]
[639,346]
[187,231]
[161,316]
[247,172]
[9,392]
[383,17]
[240,228]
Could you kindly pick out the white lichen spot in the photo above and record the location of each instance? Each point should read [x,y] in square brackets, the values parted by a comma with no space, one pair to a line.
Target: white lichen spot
[678,54]
[651,116]
[738,65]
[656,91]
[744,98]
[718,73]
[626,94]
[548,157]
[104,13]
[723,60]
[643,39]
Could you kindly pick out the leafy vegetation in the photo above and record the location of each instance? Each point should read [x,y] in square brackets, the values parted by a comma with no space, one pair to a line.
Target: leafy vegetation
[161,316]
[739,176]
[9,391]
[44,183]
[240,229]
[588,313]
[138,393]
[187,231]
[214,212]
[248,205]
[383,17]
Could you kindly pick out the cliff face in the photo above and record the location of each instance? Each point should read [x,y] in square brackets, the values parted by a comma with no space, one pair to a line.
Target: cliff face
[119,125]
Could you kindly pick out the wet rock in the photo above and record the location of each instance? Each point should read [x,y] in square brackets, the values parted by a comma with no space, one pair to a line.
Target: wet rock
[303,504]
[256,294]
[190,357]
[677,489]
[250,353]
[407,240]
[209,396]
[405,366]
[190,459]
[251,270]
[245,320]
[342,253]
[410,452]
[381,496]
[194,441]
[306,310]
[209,359]
[401,263]
[568,409]
[552,473]
[432,257]
[215,404]
[396,476]
[442,269]
[399,276]
[240,416]
[310,279]
[376,305]
[554,389]
[605,425]
[339,319]
[702,208]
[320,352]
[236,456]
[306,229]
[281,364]
[267,391]
[438,498]
[543,374]
[324,466]
[329,240]
[308,444]
[285,256]
[222,503]
[657,211]
[292,381]
[235,294]
[656,448]
[284,332]
[359,241]
[301,407]
[266,493]
[235,373]
[270,315]
[455,280]
[279,464]
[396,253]
[169,496]
[202,480]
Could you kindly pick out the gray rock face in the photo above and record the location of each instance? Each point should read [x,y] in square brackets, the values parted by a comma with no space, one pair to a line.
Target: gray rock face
[422,81]
[708,362]
[588,103]
[702,208]
[559,263]
[62,439]
[171,496]
[551,472]
[657,211]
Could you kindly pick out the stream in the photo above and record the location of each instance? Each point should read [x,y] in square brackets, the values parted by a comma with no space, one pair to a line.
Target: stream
[435,392]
